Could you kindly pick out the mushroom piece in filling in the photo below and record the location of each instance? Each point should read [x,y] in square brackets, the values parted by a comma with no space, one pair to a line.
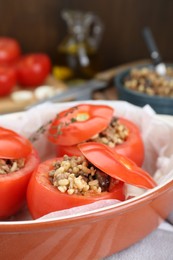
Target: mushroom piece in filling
[75,175]
[116,133]
[11,165]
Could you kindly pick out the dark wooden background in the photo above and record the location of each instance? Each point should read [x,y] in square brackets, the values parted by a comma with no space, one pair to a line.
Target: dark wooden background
[38,26]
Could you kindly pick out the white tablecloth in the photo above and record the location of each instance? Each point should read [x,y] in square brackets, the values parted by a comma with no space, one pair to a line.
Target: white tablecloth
[156,246]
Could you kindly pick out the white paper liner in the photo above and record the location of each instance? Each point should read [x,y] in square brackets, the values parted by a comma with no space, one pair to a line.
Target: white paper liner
[156,134]
[80,210]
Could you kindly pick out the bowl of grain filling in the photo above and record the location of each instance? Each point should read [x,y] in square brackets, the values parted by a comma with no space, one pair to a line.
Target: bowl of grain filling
[141,85]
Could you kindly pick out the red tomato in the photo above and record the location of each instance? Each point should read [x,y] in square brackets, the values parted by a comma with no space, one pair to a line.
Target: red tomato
[41,190]
[7,80]
[116,165]
[13,184]
[79,123]
[33,69]
[9,50]
[13,145]
[69,150]
[13,187]
[133,147]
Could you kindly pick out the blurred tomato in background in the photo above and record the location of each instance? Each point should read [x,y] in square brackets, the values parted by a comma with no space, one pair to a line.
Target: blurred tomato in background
[8,80]
[29,70]
[33,69]
[10,50]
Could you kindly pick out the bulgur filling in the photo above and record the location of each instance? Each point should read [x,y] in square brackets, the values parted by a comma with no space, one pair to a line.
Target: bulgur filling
[147,81]
[75,175]
[9,165]
[115,134]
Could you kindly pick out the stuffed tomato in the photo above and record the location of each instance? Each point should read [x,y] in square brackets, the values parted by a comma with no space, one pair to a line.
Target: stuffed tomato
[96,123]
[18,159]
[98,174]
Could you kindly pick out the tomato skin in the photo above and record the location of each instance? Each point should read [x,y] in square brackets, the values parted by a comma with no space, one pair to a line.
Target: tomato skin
[10,50]
[116,165]
[69,150]
[13,145]
[66,129]
[33,69]
[13,187]
[8,80]
[133,147]
[41,190]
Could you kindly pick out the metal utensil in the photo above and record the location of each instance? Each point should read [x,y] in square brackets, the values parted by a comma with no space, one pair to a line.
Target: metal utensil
[160,67]
[80,92]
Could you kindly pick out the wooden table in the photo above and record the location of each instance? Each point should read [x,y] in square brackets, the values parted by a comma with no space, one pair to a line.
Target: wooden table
[110,92]
[7,105]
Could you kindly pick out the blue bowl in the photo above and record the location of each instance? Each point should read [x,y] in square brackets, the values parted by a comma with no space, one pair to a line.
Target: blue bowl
[161,105]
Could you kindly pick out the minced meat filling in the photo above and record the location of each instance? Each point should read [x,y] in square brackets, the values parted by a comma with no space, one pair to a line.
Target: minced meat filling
[115,134]
[9,165]
[75,175]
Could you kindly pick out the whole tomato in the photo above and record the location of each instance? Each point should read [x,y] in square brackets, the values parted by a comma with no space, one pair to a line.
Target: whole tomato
[32,69]
[8,80]
[10,50]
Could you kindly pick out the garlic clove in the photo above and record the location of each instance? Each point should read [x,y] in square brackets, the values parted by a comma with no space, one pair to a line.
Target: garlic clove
[21,95]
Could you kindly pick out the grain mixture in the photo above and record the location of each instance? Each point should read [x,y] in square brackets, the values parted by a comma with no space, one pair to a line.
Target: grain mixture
[9,165]
[75,175]
[147,81]
[115,134]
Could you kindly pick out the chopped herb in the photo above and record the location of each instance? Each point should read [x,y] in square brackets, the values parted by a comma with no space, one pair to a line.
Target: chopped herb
[41,130]
[73,119]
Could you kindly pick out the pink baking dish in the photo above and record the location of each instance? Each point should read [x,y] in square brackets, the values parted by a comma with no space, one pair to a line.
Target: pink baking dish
[91,235]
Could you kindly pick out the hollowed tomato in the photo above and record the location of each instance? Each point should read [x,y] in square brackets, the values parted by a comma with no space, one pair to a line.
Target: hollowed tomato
[8,80]
[67,131]
[41,189]
[10,50]
[13,185]
[120,170]
[33,69]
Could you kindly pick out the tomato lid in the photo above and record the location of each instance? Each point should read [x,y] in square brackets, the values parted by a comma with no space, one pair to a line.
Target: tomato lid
[79,123]
[116,165]
[12,145]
